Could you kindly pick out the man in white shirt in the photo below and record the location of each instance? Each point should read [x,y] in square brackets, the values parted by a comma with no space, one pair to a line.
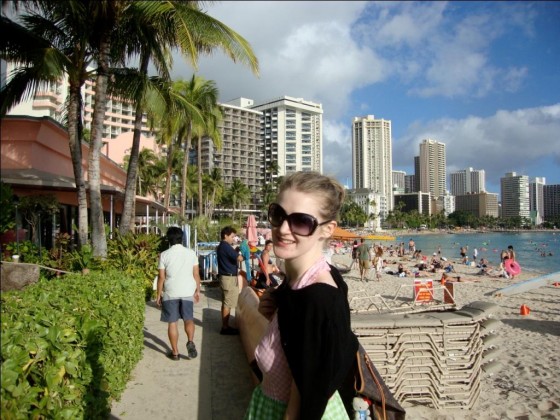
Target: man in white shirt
[178,289]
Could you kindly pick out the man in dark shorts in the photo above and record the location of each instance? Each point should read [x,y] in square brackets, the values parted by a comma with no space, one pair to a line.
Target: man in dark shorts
[228,259]
[178,289]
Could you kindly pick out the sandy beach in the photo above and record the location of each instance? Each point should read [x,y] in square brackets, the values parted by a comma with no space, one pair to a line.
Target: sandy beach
[527,386]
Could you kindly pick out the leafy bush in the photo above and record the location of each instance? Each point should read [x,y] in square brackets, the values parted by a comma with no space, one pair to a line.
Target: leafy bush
[28,251]
[135,255]
[69,346]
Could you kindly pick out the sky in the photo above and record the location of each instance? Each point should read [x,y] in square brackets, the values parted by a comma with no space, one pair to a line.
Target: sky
[481,77]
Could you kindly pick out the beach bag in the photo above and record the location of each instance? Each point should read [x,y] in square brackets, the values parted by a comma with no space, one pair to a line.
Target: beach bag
[369,385]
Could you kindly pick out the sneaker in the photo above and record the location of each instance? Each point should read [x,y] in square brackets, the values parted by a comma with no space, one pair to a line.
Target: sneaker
[229,331]
[191,350]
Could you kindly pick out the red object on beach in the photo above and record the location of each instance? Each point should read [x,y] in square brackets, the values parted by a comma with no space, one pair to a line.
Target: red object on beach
[512,267]
[524,310]
[556,284]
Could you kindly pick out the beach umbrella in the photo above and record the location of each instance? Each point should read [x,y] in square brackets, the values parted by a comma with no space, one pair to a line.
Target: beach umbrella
[344,235]
[251,235]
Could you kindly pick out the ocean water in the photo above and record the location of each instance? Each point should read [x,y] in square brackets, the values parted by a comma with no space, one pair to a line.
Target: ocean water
[528,247]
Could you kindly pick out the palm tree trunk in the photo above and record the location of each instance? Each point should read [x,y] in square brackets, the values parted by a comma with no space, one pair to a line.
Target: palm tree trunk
[169,174]
[132,173]
[99,241]
[199,163]
[184,173]
[75,142]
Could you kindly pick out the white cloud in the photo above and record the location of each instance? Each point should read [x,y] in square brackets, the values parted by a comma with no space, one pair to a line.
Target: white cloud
[343,54]
[438,52]
[305,49]
[504,142]
[337,138]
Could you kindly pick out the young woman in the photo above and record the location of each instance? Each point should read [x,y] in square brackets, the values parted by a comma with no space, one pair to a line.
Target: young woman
[267,278]
[308,350]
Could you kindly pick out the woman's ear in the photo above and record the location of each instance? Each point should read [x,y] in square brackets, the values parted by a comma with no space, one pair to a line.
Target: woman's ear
[328,228]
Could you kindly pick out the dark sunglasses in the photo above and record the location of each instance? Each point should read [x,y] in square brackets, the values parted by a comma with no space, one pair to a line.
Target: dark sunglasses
[301,224]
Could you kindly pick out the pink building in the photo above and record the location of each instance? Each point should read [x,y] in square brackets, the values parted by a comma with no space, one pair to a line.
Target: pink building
[35,160]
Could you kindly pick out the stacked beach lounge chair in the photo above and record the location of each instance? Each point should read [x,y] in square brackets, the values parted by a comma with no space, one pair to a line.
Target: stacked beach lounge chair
[432,358]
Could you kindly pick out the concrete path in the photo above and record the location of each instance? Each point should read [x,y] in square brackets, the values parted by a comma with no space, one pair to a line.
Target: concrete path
[215,385]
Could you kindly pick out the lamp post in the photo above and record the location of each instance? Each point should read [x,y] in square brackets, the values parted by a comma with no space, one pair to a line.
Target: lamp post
[16,203]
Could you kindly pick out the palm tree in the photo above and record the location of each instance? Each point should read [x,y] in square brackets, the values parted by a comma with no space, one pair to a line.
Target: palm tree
[203,96]
[172,24]
[95,30]
[51,42]
[148,171]
[272,170]
[238,194]
[212,132]
[268,194]
[215,188]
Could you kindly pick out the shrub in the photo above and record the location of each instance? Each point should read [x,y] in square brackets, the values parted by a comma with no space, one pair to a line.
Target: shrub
[69,346]
[135,255]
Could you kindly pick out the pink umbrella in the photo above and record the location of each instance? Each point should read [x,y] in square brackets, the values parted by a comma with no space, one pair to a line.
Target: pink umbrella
[252,231]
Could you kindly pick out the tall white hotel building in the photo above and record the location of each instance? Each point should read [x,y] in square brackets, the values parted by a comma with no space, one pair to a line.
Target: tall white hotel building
[432,168]
[372,159]
[515,195]
[468,181]
[292,134]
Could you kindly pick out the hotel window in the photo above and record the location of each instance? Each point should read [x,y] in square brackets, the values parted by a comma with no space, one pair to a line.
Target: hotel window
[291,147]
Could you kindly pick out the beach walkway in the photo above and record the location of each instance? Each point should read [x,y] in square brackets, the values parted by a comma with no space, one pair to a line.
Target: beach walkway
[215,385]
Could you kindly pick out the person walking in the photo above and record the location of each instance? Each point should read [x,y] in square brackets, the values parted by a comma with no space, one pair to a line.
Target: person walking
[308,348]
[355,259]
[228,259]
[364,258]
[178,289]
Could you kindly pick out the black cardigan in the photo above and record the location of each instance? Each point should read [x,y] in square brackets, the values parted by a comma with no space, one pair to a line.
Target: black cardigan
[320,347]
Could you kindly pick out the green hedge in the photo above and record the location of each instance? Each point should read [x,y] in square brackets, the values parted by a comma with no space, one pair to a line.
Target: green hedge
[69,345]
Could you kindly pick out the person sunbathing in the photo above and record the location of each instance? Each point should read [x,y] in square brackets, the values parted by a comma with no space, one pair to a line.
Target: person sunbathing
[403,272]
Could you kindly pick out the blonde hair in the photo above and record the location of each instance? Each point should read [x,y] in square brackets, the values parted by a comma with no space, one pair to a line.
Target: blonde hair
[327,188]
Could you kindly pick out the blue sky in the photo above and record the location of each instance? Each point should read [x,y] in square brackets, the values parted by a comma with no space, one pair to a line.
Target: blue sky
[481,77]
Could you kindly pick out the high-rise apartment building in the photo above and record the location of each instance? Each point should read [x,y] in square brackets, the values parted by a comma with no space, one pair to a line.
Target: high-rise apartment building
[551,199]
[536,200]
[399,181]
[240,156]
[409,183]
[432,167]
[479,204]
[416,184]
[515,195]
[416,201]
[468,181]
[292,135]
[372,158]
